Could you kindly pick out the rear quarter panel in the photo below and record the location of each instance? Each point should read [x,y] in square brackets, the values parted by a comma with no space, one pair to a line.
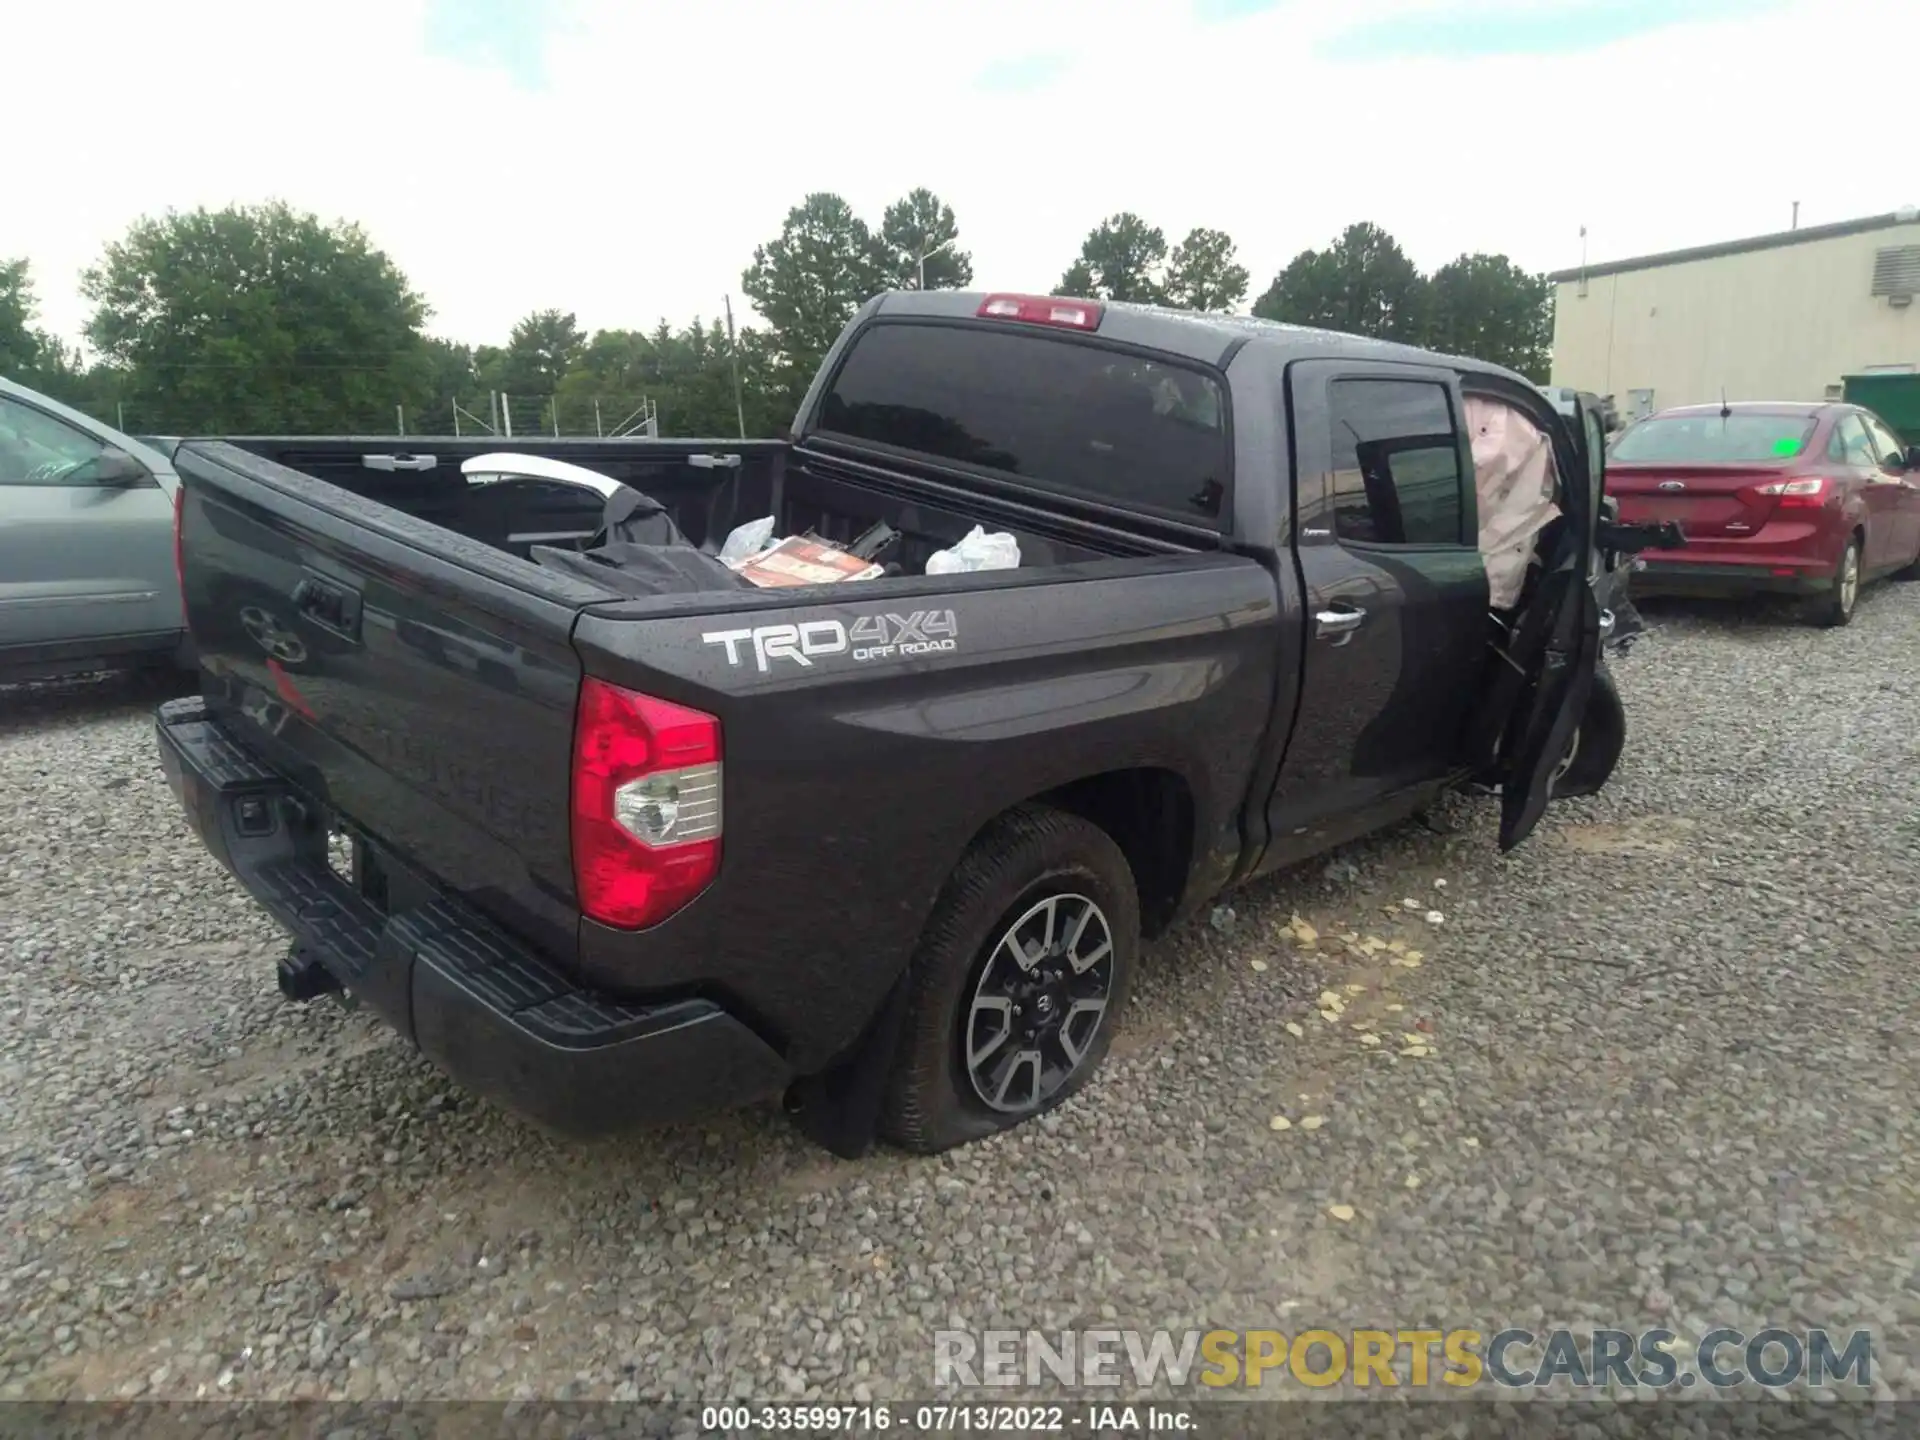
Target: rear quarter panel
[854,782]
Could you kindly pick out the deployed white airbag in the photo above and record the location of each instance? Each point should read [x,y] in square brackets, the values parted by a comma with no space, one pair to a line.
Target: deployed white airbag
[1514,478]
[493,468]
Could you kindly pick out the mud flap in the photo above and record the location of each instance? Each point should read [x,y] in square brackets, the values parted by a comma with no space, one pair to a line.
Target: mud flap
[840,1108]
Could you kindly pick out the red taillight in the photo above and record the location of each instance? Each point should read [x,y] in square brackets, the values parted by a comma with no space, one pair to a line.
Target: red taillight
[1042,310]
[646,805]
[1808,494]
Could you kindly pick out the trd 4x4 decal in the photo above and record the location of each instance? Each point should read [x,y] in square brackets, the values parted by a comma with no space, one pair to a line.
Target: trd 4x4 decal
[871,637]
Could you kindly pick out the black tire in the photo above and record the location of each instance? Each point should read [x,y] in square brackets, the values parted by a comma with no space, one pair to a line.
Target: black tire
[1909,571]
[1597,743]
[1028,855]
[1835,608]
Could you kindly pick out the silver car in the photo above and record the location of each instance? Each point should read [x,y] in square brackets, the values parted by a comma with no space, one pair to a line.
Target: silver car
[87,578]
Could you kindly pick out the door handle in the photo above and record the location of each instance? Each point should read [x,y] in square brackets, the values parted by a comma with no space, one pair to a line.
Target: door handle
[1338,622]
[399,462]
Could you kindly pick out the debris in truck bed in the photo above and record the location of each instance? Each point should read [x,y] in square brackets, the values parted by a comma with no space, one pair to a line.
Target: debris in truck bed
[875,541]
[639,571]
[977,550]
[491,469]
[745,541]
[802,560]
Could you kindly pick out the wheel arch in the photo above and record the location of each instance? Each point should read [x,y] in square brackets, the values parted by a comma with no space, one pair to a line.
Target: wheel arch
[1149,813]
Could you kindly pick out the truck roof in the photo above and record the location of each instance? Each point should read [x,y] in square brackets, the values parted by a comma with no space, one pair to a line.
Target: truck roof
[1195,335]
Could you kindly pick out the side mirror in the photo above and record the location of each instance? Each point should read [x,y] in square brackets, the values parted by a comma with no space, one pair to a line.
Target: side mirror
[117,470]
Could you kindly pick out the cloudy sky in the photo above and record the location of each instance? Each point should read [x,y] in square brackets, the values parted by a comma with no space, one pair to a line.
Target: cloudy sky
[621,158]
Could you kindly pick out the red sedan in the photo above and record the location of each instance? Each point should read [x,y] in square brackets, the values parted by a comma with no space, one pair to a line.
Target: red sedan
[1811,500]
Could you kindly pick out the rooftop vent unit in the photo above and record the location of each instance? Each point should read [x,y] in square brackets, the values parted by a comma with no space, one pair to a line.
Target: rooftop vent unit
[1896,273]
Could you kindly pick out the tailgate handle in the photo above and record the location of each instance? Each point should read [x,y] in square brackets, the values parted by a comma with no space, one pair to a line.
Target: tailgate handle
[331,607]
[714,462]
[399,462]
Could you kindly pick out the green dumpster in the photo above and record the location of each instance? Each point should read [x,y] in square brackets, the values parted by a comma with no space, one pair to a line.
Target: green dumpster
[1892,395]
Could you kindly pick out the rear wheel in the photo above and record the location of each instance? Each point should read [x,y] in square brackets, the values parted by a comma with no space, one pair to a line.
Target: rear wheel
[1017,982]
[1835,608]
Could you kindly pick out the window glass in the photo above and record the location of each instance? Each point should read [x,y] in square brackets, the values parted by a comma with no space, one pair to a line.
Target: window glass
[1059,413]
[1396,463]
[37,449]
[1851,445]
[1886,445]
[1709,438]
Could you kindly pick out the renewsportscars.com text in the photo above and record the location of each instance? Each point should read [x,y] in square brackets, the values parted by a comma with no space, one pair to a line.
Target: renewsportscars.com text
[1512,1359]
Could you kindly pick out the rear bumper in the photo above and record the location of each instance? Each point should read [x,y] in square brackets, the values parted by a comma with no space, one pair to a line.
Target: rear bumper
[492,1014]
[1729,578]
[1793,556]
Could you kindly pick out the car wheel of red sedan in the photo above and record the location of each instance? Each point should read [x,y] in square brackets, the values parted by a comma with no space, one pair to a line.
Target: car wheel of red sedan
[1835,608]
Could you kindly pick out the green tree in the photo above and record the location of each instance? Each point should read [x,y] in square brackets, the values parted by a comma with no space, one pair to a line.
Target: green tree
[687,374]
[28,354]
[808,282]
[543,348]
[1203,275]
[1362,284]
[20,342]
[450,379]
[1489,308]
[256,318]
[922,225]
[1122,259]
[490,367]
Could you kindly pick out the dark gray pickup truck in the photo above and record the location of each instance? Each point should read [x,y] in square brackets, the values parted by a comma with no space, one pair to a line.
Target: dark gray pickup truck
[886,847]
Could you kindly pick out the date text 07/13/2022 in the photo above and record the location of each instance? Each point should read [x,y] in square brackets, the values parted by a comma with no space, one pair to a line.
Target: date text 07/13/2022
[945,1418]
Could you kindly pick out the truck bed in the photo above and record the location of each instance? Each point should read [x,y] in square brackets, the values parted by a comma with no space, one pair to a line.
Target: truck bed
[384,645]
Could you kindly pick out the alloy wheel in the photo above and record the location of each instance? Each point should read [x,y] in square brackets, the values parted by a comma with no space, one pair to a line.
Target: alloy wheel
[1040,1000]
[1849,579]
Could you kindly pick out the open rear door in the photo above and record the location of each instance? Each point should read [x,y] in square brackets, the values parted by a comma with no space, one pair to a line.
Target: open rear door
[1551,652]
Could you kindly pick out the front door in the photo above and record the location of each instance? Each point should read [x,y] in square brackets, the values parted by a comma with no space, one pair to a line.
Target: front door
[80,560]
[1881,494]
[1552,645]
[1903,545]
[1396,597]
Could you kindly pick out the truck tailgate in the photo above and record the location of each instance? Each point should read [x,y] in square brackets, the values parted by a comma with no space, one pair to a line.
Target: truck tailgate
[417,685]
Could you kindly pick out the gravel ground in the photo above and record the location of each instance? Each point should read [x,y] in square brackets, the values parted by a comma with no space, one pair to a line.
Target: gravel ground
[1661,1070]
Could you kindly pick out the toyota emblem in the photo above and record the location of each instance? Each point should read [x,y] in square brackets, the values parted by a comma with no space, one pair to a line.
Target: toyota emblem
[1673,484]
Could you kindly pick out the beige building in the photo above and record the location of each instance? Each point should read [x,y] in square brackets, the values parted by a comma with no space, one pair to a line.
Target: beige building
[1776,317]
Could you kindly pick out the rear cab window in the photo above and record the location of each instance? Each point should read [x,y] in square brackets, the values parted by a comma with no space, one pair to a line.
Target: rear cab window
[1064,414]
